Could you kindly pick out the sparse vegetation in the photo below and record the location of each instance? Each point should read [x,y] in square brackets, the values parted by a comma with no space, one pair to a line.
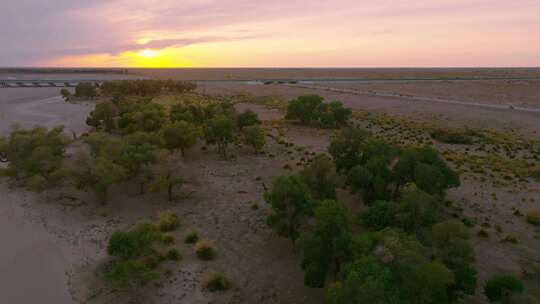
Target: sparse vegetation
[254,136]
[217,282]
[205,250]
[500,289]
[191,238]
[533,217]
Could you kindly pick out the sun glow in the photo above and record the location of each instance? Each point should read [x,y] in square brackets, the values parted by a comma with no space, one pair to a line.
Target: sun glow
[148,53]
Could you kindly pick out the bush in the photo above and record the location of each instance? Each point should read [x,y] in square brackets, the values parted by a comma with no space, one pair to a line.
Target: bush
[173,255]
[501,288]
[191,238]
[291,203]
[217,282]
[34,155]
[464,137]
[168,221]
[254,137]
[219,131]
[103,116]
[304,108]
[311,108]
[380,215]
[205,250]
[533,217]
[248,118]
[167,239]
[129,272]
[180,135]
[133,243]
[321,178]
[85,90]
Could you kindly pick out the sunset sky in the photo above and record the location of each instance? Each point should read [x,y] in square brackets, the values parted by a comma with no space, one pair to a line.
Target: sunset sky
[292,33]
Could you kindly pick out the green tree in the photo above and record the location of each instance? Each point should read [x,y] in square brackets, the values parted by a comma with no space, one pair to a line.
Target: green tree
[291,204]
[137,159]
[145,117]
[453,249]
[304,108]
[166,175]
[501,288]
[133,243]
[424,167]
[254,136]
[180,135]
[66,94]
[396,268]
[85,90]
[366,280]
[346,148]
[188,112]
[327,245]
[321,177]
[248,118]
[219,130]
[380,215]
[97,174]
[130,272]
[372,176]
[103,116]
[35,155]
[416,211]
[341,114]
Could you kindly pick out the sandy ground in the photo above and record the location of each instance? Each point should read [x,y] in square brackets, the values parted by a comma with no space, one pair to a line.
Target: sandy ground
[31,257]
[43,106]
[445,114]
[493,92]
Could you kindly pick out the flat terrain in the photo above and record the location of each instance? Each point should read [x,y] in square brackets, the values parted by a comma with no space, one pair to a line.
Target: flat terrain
[64,232]
[335,73]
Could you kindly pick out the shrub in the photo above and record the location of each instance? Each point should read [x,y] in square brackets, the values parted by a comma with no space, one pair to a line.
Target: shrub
[168,221]
[483,233]
[380,215]
[35,154]
[501,288]
[167,239]
[219,131]
[85,90]
[533,217]
[205,250]
[321,178]
[248,118]
[254,137]
[464,137]
[103,116]
[129,272]
[304,108]
[217,282]
[510,239]
[133,243]
[180,135]
[291,203]
[173,255]
[191,238]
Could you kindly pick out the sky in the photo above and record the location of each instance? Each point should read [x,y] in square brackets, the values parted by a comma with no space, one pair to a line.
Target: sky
[277,33]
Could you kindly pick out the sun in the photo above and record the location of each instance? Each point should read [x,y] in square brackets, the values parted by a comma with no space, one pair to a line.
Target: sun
[148,53]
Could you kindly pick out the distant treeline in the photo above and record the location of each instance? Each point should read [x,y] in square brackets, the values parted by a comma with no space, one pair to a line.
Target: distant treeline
[63,70]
